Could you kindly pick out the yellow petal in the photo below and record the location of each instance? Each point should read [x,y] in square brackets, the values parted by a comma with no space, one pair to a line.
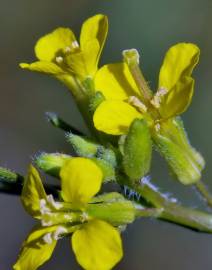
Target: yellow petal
[90,56]
[95,28]
[48,47]
[32,192]
[116,82]
[83,63]
[178,98]
[81,179]
[179,61]
[97,245]
[35,251]
[44,67]
[114,117]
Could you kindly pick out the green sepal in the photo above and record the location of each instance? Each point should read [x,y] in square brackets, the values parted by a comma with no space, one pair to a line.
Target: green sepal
[88,84]
[107,169]
[178,124]
[107,197]
[137,150]
[95,101]
[172,143]
[51,163]
[117,211]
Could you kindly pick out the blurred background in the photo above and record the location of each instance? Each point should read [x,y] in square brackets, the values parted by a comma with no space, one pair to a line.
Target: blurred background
[148,25]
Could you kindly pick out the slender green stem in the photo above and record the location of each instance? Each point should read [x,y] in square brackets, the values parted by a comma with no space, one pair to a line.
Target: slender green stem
[148,212]
[14,187]
[174,212]
[201,187]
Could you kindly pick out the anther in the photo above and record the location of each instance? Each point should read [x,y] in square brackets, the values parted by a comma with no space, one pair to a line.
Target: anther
[157,127]
[75,44]
[67,49]
[137,103]
[48,238]
[84,217]
[59,59]
[43,207]
[59,232]
[157,97]
[55,204]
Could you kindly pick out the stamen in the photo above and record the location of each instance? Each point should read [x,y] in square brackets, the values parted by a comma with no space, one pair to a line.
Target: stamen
[46,223]
[43,207]
[55,204]
[162,91]
[156,100]
[67,49]
[68,217]
[84,217]
[137,103]
[48,238]
[59,59]
[75,44]
[59,232]
[157,127]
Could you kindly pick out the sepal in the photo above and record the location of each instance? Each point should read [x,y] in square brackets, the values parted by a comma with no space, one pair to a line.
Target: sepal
[172,143]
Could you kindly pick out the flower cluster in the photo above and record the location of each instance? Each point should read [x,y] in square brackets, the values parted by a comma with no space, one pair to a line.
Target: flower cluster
[126,119]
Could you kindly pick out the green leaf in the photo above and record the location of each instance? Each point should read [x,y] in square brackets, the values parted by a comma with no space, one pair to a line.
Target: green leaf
[137,150]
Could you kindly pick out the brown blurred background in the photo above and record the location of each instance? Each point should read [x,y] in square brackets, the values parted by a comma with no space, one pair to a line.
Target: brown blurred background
[148,25]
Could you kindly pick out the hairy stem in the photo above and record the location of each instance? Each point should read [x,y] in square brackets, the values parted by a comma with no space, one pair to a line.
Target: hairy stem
[201,187]
[174,212]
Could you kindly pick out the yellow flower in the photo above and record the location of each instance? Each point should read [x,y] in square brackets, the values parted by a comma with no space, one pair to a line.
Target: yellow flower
[124,101]
[60,54]
[129,97]
[96,243]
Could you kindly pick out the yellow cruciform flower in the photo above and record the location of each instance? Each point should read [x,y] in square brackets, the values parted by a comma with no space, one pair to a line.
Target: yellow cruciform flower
[60,54]
[96,243]
[124,103]
[123,99]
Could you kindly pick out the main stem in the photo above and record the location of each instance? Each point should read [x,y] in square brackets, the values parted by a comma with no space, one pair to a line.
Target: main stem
[174,212]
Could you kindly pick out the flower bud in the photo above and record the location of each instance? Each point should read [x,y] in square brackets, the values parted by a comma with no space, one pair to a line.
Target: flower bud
[137,150]
[51,163]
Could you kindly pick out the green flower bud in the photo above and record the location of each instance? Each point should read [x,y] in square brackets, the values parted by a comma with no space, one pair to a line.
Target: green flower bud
[137,150]
[107,169]
[8,175]
[82,146]
[51,163]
